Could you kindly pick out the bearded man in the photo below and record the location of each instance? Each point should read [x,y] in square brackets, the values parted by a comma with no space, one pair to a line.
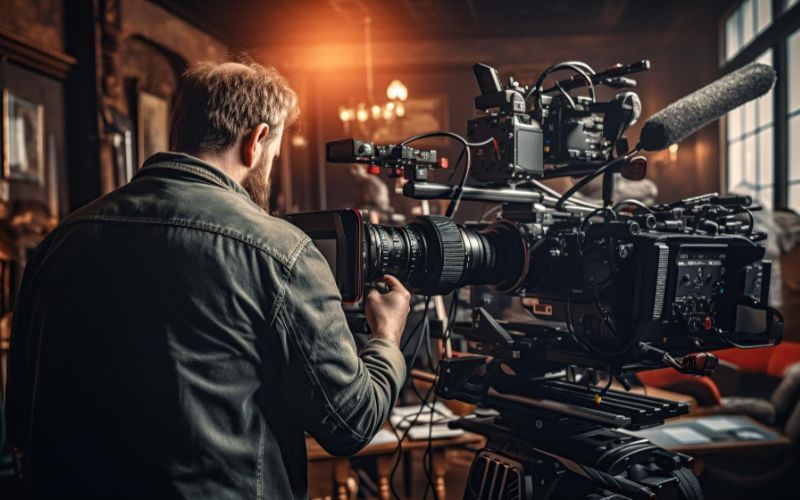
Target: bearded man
[173,340]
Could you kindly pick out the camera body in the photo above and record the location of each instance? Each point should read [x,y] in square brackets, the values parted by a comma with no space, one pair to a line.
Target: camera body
[611,285]
[557,130]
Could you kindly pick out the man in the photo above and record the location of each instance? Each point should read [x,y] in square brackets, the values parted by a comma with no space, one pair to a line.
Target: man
[173,340]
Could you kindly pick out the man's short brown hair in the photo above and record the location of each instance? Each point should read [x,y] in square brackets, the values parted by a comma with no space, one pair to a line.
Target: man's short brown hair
[218,103]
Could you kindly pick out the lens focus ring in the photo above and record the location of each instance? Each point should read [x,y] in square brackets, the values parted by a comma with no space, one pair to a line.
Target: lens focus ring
[445,259]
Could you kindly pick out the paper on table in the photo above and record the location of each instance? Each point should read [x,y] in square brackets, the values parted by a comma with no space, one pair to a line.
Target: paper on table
[384,436]
[404,416]
[437,432]
[413,409]
[719,424]
[686,435]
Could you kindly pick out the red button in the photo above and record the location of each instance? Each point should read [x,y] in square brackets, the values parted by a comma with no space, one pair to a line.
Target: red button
[443,163]
[373,169]
[707,323]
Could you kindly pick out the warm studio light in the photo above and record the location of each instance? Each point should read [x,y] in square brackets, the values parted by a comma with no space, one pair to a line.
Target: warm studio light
[361,114]
[396,91]
[673,153]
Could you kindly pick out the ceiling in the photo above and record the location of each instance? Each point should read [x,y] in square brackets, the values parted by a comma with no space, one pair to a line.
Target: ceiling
[259,23]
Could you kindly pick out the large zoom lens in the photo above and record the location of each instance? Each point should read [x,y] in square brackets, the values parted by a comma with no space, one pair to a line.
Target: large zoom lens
[433,255]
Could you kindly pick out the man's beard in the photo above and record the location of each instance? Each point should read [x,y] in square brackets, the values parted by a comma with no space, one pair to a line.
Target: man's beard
[257,184]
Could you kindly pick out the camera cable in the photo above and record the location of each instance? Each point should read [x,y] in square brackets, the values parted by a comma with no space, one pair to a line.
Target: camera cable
[588,178]
[456,200]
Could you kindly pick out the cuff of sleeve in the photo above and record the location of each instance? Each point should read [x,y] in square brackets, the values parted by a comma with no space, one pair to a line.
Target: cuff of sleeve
[389,351]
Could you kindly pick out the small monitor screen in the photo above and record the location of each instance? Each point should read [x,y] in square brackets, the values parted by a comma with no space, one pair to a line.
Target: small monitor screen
[327,248]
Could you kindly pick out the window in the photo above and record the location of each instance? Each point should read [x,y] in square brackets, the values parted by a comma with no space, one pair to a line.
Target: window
[743,24]
[793,118]
[750,143]
[762,138]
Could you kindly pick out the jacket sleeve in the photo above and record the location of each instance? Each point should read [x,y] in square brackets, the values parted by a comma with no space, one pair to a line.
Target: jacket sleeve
[341,397]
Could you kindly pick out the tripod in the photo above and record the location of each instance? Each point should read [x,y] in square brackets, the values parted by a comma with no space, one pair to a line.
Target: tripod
[563,443]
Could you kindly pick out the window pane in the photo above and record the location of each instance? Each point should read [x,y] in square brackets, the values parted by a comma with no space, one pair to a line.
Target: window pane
[749,117]
[734,166]
[748,22]
[765,105]
[749,159]
[765,109]
[794,148]
[794,197]
[734,123]
[764,197]
[732,35]
[766,161]
[794,71]
[764,14]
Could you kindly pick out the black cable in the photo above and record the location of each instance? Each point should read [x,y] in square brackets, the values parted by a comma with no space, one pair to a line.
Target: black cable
[423,336]
[580,68]
[456,164]
[408,338]
[631,201]
[588,178]
[427,459]
[456,200]
[566,95]
[594,213]
[552,192]
[399,449]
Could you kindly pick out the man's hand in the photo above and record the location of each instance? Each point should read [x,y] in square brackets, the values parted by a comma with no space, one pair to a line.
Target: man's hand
[387,312]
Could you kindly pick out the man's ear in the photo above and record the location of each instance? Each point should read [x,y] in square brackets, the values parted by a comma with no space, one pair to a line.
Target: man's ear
[253,143]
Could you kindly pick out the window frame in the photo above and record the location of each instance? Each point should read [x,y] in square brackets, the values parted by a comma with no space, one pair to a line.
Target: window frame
[774,37]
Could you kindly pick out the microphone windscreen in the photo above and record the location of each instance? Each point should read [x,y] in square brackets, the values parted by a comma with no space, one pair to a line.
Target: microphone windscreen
[687,115]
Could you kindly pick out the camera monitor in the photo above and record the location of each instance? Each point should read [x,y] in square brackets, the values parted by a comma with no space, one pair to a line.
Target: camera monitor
[338,235]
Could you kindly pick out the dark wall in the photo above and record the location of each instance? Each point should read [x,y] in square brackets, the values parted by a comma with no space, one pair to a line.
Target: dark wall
[41,21]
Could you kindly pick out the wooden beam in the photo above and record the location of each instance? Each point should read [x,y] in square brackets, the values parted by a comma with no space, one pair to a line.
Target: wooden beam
[26,52]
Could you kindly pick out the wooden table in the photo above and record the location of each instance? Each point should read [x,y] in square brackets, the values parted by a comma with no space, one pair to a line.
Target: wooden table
[384,453]
[765,439]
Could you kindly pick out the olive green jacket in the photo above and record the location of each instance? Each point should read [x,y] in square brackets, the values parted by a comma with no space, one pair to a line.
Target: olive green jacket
[173,340]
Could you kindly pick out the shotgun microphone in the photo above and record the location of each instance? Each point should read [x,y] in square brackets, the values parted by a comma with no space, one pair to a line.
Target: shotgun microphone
[688,114]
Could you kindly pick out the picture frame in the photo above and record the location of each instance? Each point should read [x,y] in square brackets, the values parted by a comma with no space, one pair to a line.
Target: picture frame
[152,118]
[23,139]
[122,134]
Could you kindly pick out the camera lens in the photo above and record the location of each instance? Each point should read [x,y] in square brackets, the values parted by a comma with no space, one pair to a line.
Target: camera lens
[433,255]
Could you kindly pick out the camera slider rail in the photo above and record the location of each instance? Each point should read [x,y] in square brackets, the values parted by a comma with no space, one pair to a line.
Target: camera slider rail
[473,380]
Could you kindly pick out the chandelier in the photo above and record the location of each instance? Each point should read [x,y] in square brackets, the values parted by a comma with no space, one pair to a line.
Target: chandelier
[367,115]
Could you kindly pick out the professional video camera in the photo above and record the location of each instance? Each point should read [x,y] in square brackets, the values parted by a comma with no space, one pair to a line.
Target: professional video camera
[617,288]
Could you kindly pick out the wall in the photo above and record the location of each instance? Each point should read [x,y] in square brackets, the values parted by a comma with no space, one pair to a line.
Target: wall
[152,22]
[42,22]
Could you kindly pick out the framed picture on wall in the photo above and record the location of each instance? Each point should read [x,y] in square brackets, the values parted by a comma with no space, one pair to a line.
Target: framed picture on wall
[23,139]
[153,124]
[121,132]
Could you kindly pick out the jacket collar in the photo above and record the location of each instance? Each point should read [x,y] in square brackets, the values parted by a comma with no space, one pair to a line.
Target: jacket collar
[189,164]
